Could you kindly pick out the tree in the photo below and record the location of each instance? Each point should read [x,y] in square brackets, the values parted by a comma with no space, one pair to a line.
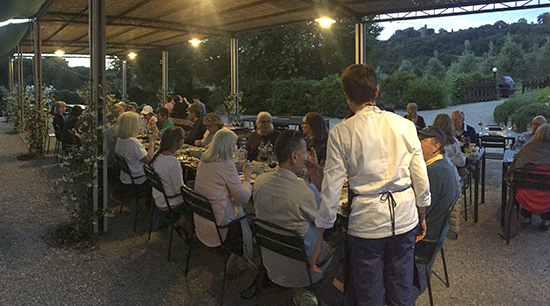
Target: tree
[435,68]
[543,18]
[510,59]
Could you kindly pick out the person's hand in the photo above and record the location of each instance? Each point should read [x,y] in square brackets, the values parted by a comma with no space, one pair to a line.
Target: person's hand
[312,157]
[198,143]
[247,171]
[153,136]
[421,231]
[316,258]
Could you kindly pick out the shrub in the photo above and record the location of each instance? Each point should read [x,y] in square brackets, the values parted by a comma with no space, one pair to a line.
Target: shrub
[69,97]
[457,86]
[505,110]
[523,116]
[4,94]
[543,95]
[394,88]
[256,93]
[292,96]
[330,98]
[429,93]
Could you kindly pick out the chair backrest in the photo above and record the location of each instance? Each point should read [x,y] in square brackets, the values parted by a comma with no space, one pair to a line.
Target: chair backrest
[154,180]
[425,250]
[489,141]
[281,241]
[532,178]
[123,165]
[200,205]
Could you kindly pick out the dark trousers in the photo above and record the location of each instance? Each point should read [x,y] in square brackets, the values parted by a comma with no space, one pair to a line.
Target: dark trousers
[386,263]
[527,214]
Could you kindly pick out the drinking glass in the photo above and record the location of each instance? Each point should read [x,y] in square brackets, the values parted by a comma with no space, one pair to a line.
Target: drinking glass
[272,161]
[480,124]
[510,125]
[502,126]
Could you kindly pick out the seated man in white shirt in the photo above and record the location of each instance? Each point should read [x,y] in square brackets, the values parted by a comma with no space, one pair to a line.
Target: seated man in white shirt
[284,199]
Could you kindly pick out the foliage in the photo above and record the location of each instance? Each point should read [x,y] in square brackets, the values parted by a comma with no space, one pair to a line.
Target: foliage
[511,59]
[543,96]
[14,111]
[435,69]
[4,95]
[429,93]
[36,118]
[331,101]
[457,86]
[68,96]
[164,96]
[230,101]
[466,63]
[78,173]
[523,116]
[505,110]
[394,88]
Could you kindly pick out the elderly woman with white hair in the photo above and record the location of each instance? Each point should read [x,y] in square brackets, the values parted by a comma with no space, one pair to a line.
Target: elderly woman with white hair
[217,179]
[264,133]
[129,147]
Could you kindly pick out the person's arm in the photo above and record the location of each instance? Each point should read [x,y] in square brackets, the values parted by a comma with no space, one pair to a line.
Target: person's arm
[151,149]
[458,159]
[419,175]
[241,192]
[187,102]
[314,170]
[422,228]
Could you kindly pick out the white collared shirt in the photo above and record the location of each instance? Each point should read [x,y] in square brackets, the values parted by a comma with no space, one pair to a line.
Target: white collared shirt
[379,151]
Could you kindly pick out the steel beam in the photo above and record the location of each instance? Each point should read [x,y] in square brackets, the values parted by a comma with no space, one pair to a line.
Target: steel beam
[124,93]
[20,87]
[12,74]
[235,70]
[164,76]
[98,95]
[37,65]
[360,44]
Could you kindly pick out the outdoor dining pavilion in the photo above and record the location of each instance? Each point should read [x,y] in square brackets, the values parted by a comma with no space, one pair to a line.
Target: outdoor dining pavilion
[118,27]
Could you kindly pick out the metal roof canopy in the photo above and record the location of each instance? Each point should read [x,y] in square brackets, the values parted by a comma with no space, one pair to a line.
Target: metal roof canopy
[135,25]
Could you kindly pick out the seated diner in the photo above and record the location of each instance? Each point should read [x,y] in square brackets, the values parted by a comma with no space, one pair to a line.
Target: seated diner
[264,133]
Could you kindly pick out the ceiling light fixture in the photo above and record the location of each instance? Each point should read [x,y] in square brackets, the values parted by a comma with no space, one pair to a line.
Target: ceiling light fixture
[195,42]
[132,55]
[59,53]
[325,22]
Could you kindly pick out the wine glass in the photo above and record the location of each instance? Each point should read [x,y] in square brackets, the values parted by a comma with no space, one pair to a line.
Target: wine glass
[510,125]
[272,161]
[480,124]
[502,126]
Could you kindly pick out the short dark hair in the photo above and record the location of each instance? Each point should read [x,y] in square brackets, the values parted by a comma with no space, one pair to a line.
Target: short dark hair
[163,111]
[177,98]
[196,110]
[76,111]
[286,143]
[196,97]
[359,83]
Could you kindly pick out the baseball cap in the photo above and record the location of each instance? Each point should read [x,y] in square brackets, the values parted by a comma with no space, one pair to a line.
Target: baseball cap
[433,131]
[147,110]
[133,104]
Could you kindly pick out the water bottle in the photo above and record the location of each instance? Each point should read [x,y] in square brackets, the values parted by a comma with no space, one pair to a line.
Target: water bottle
[261,152]
[241,153]
[268,149]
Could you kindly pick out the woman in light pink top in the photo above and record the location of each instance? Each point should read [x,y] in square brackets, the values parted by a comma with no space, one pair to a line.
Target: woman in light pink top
[218,180]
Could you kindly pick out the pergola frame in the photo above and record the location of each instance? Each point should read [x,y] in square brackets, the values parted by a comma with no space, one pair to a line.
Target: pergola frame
[94,16]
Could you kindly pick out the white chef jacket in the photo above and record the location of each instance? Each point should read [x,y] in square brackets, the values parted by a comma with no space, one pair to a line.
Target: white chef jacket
[379,151]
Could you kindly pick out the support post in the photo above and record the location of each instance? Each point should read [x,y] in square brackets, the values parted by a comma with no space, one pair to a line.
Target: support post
[124,90]
[235,71]
[164,76]
[97,75]
[360,44]
[20,89]
[12,74]
[37,66]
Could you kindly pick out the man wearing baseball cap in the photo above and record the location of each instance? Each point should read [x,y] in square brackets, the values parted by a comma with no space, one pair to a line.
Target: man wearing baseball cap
[149,120]
[443,188]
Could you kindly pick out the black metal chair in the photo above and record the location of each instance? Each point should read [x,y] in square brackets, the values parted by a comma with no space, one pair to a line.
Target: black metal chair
[528,177]
[123,165]
[425,252]
[465,175]
[497,142]
[201,206]
[156,183]
[281,241]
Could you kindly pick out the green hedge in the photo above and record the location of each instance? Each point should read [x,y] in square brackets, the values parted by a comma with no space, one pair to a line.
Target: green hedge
[69,97]
[543,95]
[394,88]
[523,116]
[457,86]
[429,93]
[505,110]
[296,97]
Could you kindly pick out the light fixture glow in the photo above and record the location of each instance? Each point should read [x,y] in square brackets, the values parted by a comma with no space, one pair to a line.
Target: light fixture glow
[195,42]
[325,22]
[132,55]
[59,53]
